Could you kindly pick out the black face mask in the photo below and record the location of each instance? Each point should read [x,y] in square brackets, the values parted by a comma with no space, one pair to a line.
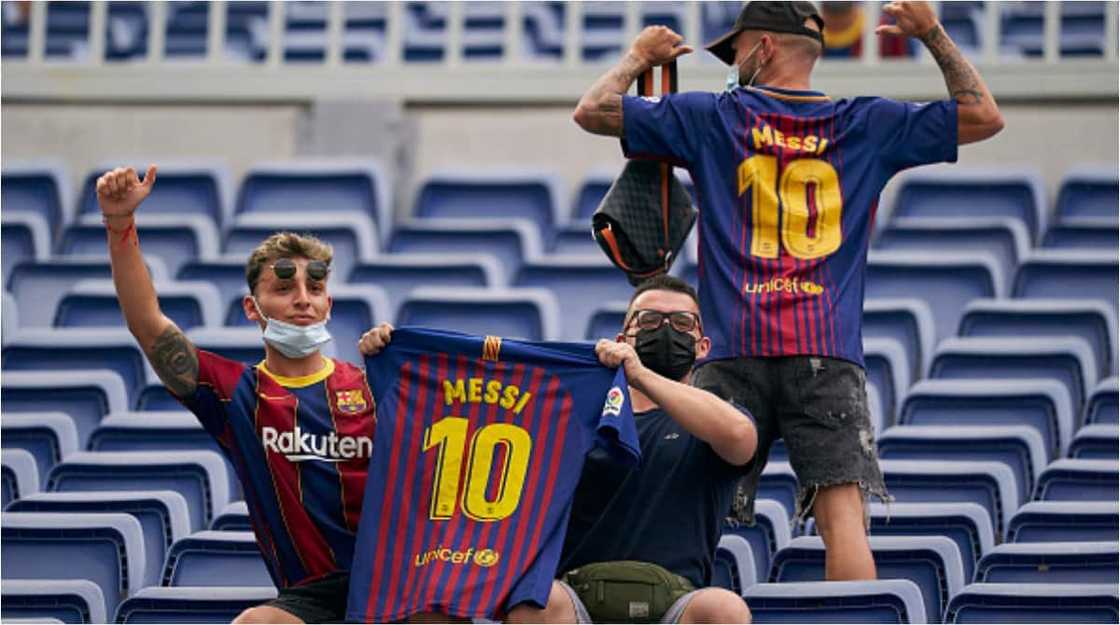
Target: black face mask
[666,351]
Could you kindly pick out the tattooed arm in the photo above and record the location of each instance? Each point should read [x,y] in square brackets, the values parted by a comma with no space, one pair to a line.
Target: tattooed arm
[978,116]
[600,109]
[119,194]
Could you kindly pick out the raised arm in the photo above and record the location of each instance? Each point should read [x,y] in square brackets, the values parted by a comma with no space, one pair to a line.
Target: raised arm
[600,109]
[978,115]
[119,194]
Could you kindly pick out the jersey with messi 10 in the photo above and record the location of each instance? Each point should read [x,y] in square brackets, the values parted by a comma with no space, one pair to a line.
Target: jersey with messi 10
[480,443]
[788,183]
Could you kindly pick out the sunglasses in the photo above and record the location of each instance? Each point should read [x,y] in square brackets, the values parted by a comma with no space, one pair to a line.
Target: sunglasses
[285,269]
[680,320]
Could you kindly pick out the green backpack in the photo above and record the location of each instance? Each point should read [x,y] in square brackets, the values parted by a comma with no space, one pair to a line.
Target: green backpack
[626,591]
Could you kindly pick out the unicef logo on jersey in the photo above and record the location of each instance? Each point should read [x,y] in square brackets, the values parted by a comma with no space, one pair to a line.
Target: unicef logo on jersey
[298,446]
[613,405]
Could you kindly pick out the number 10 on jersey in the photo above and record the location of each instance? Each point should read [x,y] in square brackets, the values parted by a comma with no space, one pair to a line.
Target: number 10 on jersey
[449,437]
[807,186]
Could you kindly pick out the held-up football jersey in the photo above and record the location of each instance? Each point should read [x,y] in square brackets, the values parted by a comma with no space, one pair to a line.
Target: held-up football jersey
[478,449]
[300,447]
[788,183]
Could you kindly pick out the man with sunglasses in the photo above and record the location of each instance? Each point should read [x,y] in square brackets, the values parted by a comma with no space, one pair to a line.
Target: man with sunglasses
[297,426]
[666,512]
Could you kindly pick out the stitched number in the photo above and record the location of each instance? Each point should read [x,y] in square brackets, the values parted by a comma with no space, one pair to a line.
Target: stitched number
[450,435]
[807,186]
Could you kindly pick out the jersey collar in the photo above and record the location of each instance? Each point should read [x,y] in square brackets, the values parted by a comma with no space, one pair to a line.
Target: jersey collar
[793,95]
[303,380]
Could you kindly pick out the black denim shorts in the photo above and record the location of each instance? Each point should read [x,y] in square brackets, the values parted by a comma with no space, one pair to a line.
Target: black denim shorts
[320,601]
[818,406]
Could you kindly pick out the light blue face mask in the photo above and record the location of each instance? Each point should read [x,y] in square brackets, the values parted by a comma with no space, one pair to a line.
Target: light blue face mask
[292,340]
[732,81]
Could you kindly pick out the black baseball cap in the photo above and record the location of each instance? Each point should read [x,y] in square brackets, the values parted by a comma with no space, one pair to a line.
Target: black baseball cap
[779,17]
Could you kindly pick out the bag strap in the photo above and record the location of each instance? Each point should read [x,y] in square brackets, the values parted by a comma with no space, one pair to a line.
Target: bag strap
[645,88]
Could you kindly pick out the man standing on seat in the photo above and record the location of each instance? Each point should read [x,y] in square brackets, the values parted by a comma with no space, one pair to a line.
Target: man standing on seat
[297,426]
[789,182]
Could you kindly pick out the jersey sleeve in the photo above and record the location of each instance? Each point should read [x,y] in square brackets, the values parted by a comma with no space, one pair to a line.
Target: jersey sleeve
[616,433]
[217,379]
[909,134]
[667,128]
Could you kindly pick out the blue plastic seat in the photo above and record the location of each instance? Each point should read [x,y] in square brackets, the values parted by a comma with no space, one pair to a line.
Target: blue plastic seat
[64,600]
[931,562]
[888,372]
[162,514]
[48,436]
[946,282]
[24,236]
[1101,407]
[779,482]
[908,321]
[210,558]
[580,285]
[233,518]
[967,524]
[174,239]
[509,241]
[19,475]
[1066,274]
[352,234]
[400,274]
[9,318]
[1035,603]
[878,601]
[530,195]
[93,304]
[1005,238]
[39,188]
[1020,447]
[1064,521]
[191,605]
[77,348]
[575,239]
[1070,479]
[105,548]
[992,485]
[1051,563]
[606,322]
[1079,233]
[1096,442]
[199,476]
[766,536]
[86,395]
[240,344]
[1091,320]
[734,564]
[528,314]
[155,397]
[960,193]
[1088,192]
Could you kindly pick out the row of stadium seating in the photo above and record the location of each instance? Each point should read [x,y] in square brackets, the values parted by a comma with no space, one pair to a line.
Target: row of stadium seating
[425,32]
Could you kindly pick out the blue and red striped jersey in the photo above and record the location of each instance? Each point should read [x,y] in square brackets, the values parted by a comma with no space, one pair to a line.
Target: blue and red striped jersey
[301,448]
[479,447]
[788,184]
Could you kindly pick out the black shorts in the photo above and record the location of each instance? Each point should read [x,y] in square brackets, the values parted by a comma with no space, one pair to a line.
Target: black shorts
[320,601]
[818,406]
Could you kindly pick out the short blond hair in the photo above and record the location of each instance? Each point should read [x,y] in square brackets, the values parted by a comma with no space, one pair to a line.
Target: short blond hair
[285,245]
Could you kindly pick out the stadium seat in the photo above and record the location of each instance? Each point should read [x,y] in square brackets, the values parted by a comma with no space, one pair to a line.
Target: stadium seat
[579,284]
[39,188]
[400,274]
[1091,320]
[931,562]
[227,274]
[1020,447]
[347,186]
[233,518]
[779,482]
[162,514]
[888,372]
[575,239]
[590,194]
[207,604]
[509,241]
[606,322]
[992,485]
[156,397]
[40,600]
[352,235]
[56,349]
[24,236]
[182,189]
[174,239]
[210,558]
[527,314]
[48,436]
[1088,192]
[1066,359]
[9,319]
[199,476]
[39,286]
[966,193]
[86,395]
[1050,563]
[105,548]
[20,475]
[1079,233]
[734,565]
[769,533]
[1005,238]
[1064,521]
[878,601]
[1096,442]
[967,524]
[240,344]
[946,282]
[530,195]
[1069,479]
[1101,407]
[1035,603]
[93,304]
[908,321]
[1065,274]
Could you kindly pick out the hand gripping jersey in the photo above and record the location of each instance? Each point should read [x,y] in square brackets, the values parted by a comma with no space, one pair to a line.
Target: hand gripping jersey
[479,447]
[788,184]
[300,447]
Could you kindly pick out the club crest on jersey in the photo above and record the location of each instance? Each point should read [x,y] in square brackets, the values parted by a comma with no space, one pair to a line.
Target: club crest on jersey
[350,402]
[613,405]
